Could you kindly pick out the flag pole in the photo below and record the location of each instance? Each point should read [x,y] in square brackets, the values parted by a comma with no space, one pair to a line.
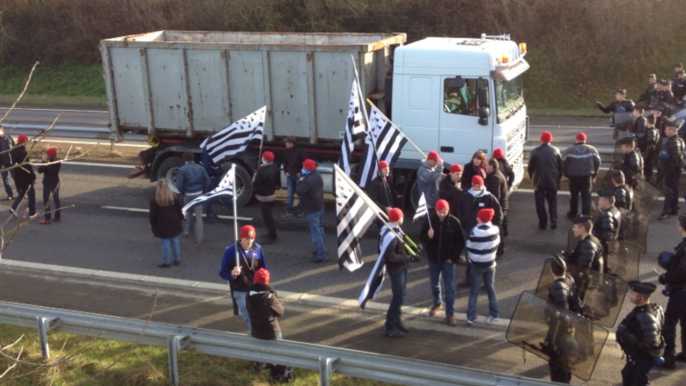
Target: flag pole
[408,138]
[235,212]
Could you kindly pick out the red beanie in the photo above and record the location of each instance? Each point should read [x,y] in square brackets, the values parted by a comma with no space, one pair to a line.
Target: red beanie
[247,231]
[383,165]
[310,165]
[433,156]
[52,152]
[546,136]
[22,138]
[442,205]
[498,153]
[477,180]
[395,214]
[261,276]
[581,137]
[486,215]
[268,156]
[455,168]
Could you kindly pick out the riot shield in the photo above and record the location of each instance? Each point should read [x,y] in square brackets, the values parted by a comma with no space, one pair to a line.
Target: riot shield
[645,196]
[556,335]
[634,228]
[623,122]
[602,295]
[623,259]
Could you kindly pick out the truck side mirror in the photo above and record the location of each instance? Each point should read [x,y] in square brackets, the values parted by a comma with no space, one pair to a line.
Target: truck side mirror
[482,96]
[484,113]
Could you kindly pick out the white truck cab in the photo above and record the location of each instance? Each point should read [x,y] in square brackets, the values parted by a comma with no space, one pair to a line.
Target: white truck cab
[458,95]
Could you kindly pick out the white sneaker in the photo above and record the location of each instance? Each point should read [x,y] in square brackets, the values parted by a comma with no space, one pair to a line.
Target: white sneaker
[34,216]
[470,322]
[492,319]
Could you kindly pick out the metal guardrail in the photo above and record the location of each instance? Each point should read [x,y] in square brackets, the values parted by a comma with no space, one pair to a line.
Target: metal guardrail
[326,360]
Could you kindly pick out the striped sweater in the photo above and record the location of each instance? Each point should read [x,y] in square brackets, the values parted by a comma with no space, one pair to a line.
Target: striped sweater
[482,245]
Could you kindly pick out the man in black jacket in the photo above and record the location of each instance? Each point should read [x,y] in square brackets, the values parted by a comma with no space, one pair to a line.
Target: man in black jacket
[396,258]
[632,163]
[674,281]
[580,163]
[588,252]
[624,195]
[649,148]
[562,289]
[264,187]
[310,190]
[450,189]
[381,191]
[679,86]
[672,159]
[497,186]
[665,95]
[51,185]
[545,171]
[444,239]
[293,159]
[649,94]
[638,128]
[504,166]
[620,104]
[607,226]
[6,143]
[24,177]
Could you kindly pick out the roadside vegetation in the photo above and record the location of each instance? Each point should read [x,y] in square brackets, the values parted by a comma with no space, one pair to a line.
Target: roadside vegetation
[580,51]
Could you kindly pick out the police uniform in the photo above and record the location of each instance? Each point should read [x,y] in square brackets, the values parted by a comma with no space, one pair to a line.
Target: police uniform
[559,294]
[639,336]
[607,226]
[652,139]
[588,252]
[675,283]
[632,163]
[624,197]
[672,158]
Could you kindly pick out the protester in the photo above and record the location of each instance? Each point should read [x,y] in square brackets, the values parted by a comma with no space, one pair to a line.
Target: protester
[166,220]
[381,191]
[450,188]
[294,156]
[241,275]
[482,246]
[395,258]
[264,186]
[6,143]
[429,175]
[475,167]
[51,185]
[310,190]
[192,181]
[504,166]
[545,171]
[580,164]
[24,177]
[497,185]
[215,173]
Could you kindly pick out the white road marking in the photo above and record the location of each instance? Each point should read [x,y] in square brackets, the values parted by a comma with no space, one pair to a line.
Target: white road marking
[141,210]
[103,143]
[58,110]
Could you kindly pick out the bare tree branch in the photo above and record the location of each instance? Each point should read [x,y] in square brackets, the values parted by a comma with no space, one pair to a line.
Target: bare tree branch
[26,86]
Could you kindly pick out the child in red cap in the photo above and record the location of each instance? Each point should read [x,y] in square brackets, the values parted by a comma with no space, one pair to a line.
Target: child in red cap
[51,185]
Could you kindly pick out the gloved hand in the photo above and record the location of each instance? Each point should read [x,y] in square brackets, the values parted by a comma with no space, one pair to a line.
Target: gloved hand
[565,254]
[600,105]
[662,279]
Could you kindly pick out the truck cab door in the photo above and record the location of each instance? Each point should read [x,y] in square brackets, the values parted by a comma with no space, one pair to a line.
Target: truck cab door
[460,134]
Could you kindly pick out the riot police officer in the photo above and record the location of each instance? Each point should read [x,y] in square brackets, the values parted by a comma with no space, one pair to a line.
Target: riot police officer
[561,293]
[649,148]
[674,281]
[606,228]
[632,163]
[620,104]
[649,94]
[588,251]
[671,158]
[639,335]
[624,195]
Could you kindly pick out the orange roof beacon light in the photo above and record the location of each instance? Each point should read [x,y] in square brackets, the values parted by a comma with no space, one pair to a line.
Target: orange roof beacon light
[522,48]
[505,58]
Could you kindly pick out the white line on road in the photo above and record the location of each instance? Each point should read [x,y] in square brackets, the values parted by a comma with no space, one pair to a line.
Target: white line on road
[141,210]
[103,143]
[58,110]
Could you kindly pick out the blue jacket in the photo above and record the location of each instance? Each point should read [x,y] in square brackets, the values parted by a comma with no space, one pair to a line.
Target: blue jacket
[250,262]
[427,182]
[191,179]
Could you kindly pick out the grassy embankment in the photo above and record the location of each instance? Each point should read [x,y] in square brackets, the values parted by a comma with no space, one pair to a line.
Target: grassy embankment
[142,366]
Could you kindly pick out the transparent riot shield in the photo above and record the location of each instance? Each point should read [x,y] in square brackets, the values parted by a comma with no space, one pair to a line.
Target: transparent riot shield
[645,196]
[556,335]
[601,295]
[623,259]
[623,122]
[634,228]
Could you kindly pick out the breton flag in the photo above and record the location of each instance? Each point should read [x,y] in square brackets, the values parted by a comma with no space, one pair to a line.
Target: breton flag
[421,209]
[376,277]
[354,216]
[354,129]
[225,188]
[235,139]
[389,141]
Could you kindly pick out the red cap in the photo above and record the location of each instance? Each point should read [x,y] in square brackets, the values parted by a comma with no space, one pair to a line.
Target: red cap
[261,276]
[546,136]
[310,165]
[486,214]
[22,138]
[247,231]
[442,205]
[498,153]
[477,180]
[455,168]
[581,137]
[383,165]
[433,156]
[395,214]
[52,152]
[268,156]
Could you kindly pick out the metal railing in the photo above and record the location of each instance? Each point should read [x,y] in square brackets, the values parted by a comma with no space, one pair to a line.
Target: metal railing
[325,360]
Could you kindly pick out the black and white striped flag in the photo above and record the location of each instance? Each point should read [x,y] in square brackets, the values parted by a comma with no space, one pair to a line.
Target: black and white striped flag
[421,209]
[225,188]
[389,141]
[354,216]
[355,128]
[375,281]
[235,139]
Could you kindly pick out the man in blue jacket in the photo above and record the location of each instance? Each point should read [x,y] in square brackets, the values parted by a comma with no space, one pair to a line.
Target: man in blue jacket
[192,181]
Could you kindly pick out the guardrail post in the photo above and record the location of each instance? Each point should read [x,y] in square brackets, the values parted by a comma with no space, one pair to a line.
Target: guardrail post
[326,367]
[174,345]
[44,326]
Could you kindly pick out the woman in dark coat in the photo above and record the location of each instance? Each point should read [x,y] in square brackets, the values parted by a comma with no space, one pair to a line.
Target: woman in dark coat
[476,167]
[166,221]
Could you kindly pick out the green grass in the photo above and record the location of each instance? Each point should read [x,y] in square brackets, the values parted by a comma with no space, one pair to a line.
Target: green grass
[143,366]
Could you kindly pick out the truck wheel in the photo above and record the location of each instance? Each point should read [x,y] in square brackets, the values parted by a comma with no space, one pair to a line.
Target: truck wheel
[243,183]
[168,170]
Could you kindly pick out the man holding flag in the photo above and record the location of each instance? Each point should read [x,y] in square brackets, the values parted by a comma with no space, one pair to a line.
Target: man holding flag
[381,190]
[429,175]
[395,258]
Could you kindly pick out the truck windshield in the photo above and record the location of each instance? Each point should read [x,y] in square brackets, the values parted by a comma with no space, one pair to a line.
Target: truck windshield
[509,97]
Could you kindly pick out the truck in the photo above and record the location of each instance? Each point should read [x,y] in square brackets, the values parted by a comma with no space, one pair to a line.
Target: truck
[453,95]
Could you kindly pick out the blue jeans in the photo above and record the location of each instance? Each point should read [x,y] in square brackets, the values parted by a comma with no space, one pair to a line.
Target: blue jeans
[30,196]
[173,243]
[291,182]
[55,193]
[447,270]
[488,275]
[214,182]
[6,178]
[239,298]
[316,221]
[398,283]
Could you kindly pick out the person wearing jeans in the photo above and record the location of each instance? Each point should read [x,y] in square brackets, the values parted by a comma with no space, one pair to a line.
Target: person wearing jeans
[545,171]
[192,181]
[482,246]
[293,159]
[264,187]
[165,219]
[311,190]
[51,182]
[6,143]
[396,258]
[24,177]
